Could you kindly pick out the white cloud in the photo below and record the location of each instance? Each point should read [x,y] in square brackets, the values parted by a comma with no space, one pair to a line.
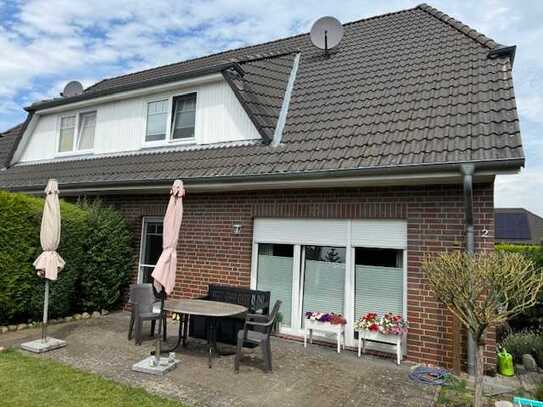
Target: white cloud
[522,190]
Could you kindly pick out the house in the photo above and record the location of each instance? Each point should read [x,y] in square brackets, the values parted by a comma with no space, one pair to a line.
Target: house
[518,226]
[324,179]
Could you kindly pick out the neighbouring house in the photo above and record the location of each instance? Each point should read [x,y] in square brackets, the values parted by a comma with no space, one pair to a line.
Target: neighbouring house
[518,226]
[324,179]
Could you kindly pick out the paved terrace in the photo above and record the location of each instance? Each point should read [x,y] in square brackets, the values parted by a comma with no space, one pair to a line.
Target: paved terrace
[316,376]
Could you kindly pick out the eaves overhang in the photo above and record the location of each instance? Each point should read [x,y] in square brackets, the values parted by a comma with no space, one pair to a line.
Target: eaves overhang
[443,173]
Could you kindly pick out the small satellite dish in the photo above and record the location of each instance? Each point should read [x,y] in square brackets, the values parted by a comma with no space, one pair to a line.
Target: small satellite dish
[326,33]
[73,88]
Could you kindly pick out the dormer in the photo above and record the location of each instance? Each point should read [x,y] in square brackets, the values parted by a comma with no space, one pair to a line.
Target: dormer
[214,105]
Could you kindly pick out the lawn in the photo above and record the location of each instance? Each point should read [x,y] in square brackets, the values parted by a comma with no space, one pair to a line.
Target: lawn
[32,381]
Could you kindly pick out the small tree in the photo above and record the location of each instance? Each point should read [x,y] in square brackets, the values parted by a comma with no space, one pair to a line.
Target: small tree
[483,290]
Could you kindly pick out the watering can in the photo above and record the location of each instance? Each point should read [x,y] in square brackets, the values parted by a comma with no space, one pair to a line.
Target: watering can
[505,363]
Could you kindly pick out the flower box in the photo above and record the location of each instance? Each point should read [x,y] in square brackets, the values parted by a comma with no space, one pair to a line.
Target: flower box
[326,323]
[387,328]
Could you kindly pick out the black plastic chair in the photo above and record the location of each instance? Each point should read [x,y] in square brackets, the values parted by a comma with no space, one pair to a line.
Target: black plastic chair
[143,301]
[258,336]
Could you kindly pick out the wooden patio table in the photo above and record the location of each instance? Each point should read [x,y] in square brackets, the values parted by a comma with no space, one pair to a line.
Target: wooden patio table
[213,310]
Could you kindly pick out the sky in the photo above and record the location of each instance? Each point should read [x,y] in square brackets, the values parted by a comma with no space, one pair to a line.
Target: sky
[46,43]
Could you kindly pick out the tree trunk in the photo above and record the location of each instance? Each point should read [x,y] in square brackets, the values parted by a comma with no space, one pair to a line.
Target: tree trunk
[479,374]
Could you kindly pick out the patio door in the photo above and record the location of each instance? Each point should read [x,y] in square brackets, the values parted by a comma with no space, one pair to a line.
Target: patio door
[150,248]
[330,265]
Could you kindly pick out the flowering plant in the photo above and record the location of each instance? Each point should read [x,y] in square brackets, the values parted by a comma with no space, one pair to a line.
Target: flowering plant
[334,319]
[388,324]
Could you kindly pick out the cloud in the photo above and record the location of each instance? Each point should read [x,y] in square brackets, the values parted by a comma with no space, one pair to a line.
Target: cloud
[45,43]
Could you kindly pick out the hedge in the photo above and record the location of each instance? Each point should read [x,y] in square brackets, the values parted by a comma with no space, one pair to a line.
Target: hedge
[533,317]
[89,233]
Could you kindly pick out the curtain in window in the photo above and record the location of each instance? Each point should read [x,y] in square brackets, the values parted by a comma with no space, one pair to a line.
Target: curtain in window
[86,131]
[274,274]
[324,279]
[157,117]
[67,129]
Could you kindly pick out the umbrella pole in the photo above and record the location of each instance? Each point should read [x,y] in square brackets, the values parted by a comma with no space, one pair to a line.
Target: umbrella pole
[45,311]
[160,322]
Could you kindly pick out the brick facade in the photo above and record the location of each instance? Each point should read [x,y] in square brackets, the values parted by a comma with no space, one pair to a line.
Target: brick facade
[210,253]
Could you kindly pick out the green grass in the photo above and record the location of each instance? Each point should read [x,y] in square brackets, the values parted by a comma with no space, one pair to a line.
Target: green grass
[455,394]
[31,381]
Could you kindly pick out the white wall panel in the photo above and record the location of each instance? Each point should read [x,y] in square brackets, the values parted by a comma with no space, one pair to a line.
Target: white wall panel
[120,125]
[380,233]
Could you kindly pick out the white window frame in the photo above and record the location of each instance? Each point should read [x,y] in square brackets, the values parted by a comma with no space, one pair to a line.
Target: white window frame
[168,140]
[296,328]
[77,133]
[144,222]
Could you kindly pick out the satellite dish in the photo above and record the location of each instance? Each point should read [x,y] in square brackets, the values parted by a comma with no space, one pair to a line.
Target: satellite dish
[73,88]
[326,33]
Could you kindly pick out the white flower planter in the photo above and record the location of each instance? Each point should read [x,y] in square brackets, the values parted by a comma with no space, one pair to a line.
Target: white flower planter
[326,327]
[395,340]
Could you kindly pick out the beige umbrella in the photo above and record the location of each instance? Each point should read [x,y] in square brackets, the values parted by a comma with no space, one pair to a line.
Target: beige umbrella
[165,269]
[49,263]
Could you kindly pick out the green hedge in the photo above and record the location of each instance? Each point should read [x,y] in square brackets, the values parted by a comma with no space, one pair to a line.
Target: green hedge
[533,317]
[89,233]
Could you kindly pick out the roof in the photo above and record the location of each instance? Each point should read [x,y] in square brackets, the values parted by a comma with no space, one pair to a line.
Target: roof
[413,89]
[518,225]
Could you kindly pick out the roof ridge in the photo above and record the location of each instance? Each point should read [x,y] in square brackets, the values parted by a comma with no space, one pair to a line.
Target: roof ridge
[247,47]
[463,28]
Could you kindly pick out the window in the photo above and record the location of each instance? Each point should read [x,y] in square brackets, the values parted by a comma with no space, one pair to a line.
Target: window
[378,281]
[67,130]
[151,248]
[275,275]
[157,118]
[183,118]
[87,126]
[324,279]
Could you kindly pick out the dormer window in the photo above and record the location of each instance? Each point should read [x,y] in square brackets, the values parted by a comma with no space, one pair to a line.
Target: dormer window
[67,130]
[171,119]
[83,140]
[157,119]
[183,117]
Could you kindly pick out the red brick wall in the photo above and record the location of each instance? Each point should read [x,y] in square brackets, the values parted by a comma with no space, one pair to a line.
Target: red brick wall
[209,252]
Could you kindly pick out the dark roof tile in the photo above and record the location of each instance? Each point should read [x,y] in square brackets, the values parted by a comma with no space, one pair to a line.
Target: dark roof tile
[410,88]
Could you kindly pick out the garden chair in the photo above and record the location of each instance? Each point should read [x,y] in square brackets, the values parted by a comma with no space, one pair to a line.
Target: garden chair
[258,336]
[144,308]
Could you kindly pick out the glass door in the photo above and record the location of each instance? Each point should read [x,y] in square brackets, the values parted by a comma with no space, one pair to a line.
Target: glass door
[275,263]
[323,287]
[150,248]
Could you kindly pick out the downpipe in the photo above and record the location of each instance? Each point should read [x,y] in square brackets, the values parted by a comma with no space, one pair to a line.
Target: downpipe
[467,172]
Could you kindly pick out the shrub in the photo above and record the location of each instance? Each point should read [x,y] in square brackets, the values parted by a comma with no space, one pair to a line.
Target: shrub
[95,245]
[532,317]
[109,253]
[524,342]
[21,291]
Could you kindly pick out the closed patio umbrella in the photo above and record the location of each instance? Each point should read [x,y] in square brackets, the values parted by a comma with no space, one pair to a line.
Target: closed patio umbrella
[49,263]
[165,269]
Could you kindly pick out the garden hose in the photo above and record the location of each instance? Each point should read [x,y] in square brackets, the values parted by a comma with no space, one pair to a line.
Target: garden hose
[429,375]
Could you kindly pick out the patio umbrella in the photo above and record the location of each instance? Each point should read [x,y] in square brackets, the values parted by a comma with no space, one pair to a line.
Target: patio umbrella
[164,271]
[49,263]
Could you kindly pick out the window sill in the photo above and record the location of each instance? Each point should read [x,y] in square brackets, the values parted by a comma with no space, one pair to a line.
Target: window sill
[77,153]
[166,143]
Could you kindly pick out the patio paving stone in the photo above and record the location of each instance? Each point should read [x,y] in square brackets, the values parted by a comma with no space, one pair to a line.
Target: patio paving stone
[316,376]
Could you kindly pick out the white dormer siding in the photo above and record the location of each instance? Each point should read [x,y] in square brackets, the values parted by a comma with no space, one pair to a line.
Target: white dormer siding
[121,124]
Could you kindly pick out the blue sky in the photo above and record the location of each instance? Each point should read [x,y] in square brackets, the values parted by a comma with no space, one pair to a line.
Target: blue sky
[45,43]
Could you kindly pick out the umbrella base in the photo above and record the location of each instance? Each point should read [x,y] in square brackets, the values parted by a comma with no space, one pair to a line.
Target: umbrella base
[147,366]
[41,346]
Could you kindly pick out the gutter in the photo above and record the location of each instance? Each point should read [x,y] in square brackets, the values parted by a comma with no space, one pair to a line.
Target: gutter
[136,86]
[488,167]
